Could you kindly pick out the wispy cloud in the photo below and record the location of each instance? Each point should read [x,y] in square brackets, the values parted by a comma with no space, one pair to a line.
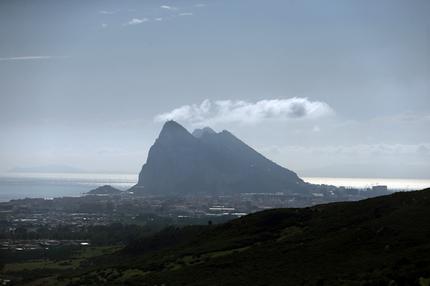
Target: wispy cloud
[186,14]
[29,58]
[104,25]
[158,19]
[136,21]
[237,111]
[106,12]
[167,7]
[200,5]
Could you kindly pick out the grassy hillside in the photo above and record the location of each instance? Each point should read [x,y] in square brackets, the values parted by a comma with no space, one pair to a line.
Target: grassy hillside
[378,241]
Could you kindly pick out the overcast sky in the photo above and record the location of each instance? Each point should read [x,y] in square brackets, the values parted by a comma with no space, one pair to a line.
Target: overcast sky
[325,88]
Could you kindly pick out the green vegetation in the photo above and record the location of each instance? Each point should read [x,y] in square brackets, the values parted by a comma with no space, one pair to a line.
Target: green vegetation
[59,260]
[123,232]
[379,241]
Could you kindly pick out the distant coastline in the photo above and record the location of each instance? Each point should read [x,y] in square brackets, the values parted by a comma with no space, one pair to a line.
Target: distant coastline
[394,184]
[41,185]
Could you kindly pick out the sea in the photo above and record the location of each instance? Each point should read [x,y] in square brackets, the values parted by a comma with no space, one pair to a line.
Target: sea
[50,185]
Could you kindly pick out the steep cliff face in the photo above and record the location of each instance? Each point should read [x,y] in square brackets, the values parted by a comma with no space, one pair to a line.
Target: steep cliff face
[212,163]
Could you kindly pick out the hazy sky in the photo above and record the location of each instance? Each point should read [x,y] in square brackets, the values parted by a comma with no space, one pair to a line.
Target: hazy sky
[325,88]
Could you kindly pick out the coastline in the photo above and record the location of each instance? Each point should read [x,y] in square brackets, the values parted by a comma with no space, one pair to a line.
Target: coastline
[47,185]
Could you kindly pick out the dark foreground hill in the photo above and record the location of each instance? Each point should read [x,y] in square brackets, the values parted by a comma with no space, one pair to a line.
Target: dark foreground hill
[206,162]
[378,241]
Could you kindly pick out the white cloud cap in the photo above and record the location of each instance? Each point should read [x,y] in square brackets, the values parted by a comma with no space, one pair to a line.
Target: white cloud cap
[237,111]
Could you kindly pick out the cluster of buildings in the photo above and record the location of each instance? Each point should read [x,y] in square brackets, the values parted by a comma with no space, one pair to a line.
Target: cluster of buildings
[25,217]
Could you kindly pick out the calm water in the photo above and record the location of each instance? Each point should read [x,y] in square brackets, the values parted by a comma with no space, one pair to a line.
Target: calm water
[46,185]
[29,185]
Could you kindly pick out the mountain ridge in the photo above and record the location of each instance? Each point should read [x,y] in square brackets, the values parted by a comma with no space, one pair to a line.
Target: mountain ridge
[207,162]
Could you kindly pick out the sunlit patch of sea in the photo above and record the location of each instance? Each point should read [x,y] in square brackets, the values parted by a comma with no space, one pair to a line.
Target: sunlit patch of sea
[363,183]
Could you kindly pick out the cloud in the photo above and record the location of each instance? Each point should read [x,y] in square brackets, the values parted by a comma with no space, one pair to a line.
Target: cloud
[105,12]
[200,5]
[26,58]
[158,19]
[186,14]
[237,111]
[136,21]
[104,25]
[168,7]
